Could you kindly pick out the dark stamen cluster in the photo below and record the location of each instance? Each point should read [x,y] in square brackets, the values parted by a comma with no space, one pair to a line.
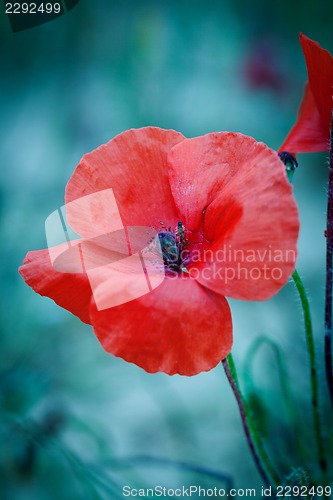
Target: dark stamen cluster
[173,246]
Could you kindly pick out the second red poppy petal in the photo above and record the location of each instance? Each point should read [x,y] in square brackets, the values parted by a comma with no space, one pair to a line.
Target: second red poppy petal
[308,135]
[319,63]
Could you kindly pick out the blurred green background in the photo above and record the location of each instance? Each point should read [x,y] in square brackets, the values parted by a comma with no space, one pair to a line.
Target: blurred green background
[76,422]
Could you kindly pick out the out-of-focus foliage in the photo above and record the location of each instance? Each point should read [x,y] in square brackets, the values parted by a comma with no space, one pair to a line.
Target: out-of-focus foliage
[75,421]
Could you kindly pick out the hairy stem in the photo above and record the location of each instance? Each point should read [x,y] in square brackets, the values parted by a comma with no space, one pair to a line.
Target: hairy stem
[253,439]
[328,291]
[313,370]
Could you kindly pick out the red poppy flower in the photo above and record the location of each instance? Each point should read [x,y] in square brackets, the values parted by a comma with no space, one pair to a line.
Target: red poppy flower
[311,133]
[231,198]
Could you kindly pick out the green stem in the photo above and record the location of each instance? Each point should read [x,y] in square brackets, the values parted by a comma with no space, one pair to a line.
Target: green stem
[259,454]
[290,163]
[313,370]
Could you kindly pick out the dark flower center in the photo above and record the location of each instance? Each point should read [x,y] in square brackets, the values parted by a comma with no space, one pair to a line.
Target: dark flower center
[173,246]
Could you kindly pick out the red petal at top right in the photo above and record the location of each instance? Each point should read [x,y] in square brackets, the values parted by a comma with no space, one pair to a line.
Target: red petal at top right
[311,132]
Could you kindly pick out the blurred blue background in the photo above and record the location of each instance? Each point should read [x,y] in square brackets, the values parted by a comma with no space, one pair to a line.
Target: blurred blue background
[73,418]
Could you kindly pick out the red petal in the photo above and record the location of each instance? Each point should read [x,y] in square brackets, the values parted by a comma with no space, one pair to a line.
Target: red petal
[199,169]
[308,135]
[70,291]
[177,328]
[319,64]
[133,165]
[236,191]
